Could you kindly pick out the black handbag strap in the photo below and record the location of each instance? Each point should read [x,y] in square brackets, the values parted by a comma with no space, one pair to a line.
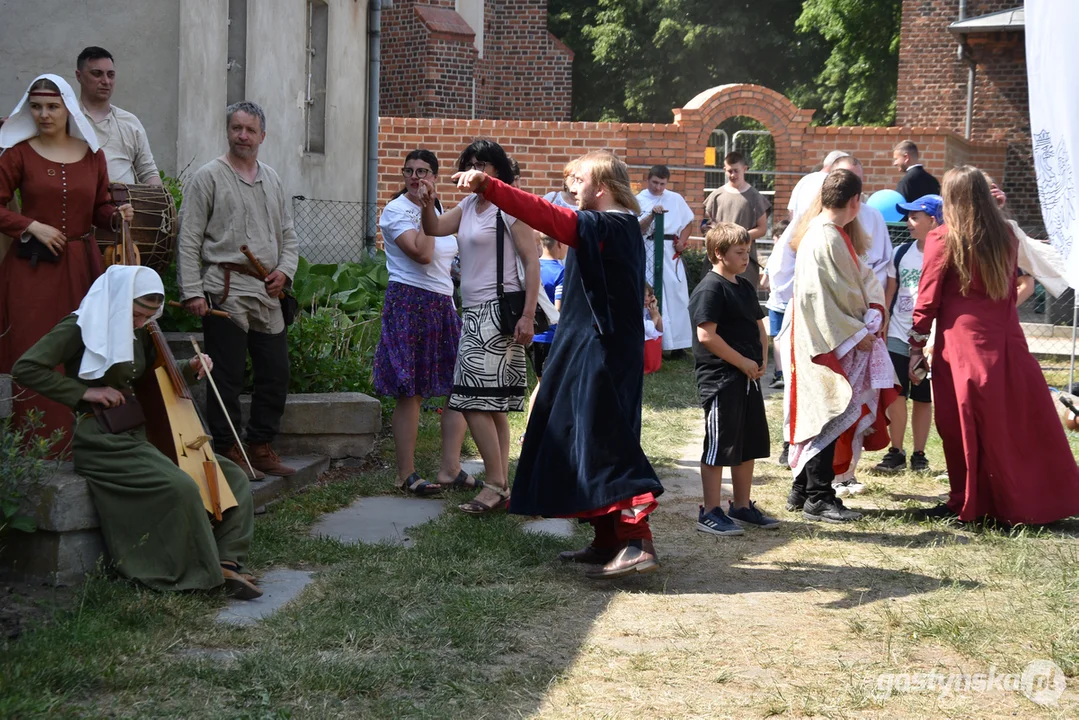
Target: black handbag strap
[500,232]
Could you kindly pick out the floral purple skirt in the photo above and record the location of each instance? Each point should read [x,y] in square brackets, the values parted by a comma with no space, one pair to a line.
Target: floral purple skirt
[418,347]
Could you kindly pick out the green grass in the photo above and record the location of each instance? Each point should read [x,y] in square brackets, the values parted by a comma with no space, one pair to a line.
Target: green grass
[476,620]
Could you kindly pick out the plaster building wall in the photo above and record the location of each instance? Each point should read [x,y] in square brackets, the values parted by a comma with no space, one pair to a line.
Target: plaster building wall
[144,38]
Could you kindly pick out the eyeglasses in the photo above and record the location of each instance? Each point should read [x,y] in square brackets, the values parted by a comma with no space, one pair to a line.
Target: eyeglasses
[476,165]
[418,172]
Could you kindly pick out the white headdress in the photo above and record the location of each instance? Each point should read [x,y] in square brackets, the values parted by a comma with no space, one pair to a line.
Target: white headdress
[21,126]
[105,317]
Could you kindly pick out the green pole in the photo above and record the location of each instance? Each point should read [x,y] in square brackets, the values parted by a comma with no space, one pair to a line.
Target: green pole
[657,258]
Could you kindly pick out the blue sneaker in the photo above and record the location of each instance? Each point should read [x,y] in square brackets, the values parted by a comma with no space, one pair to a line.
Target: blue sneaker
[751,516]
[716,522]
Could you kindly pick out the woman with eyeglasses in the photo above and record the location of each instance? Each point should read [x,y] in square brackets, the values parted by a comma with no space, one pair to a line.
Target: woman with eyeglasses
[420,330]
[490,378]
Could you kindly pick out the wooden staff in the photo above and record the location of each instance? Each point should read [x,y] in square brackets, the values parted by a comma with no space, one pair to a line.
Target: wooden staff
[202,359]
[215,313]
[260,269]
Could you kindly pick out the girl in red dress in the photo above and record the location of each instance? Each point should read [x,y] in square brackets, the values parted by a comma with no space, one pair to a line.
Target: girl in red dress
[52,158]
[1007,456]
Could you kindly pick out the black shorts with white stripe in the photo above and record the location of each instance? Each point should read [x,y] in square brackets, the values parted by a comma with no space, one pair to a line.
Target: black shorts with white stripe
[735,425]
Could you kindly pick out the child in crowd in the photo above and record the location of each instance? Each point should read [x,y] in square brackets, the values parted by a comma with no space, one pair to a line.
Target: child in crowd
[775,317]
[730,352]
[923,215]
[552,271]
[653,332]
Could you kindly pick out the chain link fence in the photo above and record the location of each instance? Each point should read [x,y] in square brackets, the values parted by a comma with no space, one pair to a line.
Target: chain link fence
[333,231]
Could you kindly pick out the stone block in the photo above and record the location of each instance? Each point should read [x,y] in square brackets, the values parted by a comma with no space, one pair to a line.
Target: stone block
[5,396]
[61,502]
[57,558]
[332,424]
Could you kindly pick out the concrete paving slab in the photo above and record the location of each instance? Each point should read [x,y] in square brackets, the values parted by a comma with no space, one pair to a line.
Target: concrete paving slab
[280,586]
[378,519]
[559,527]
[308,469]
[472,467]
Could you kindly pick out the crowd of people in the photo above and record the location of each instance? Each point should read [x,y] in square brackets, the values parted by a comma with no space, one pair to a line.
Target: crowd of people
[560,281]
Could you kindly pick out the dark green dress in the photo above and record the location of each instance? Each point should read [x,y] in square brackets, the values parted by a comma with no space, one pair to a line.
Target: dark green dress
[152,516]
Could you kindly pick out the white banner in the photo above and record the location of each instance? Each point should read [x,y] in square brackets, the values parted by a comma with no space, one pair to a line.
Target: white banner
[1053,76]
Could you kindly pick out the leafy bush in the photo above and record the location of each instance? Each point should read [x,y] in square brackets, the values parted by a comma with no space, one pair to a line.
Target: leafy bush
[330,351]
[696,263]
[23,457]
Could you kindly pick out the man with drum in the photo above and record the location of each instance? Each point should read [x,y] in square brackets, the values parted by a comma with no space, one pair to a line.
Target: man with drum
[231,204]
[119,133]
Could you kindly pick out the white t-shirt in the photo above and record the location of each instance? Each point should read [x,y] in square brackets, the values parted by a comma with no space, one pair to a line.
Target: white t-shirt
[879,256]
[804,194]
[908,275]
[479,263]
[555,198]
[398,217]
[678,213]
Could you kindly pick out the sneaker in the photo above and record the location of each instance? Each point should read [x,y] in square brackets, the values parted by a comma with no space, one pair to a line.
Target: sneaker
[795,501]
[919,462]
[784,458]
[751,516]
[830,511]
[716,522]
[847,488]
[940,511]
[895,461]
[777,382]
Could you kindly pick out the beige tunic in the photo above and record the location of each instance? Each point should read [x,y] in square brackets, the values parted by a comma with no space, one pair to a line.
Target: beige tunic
[127,149]
[221,212]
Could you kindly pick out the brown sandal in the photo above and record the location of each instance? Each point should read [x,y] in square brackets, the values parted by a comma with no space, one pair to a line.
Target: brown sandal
[239,586]
[475,507]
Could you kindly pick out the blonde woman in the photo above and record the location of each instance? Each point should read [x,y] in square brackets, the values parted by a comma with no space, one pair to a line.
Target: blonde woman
[1006,452]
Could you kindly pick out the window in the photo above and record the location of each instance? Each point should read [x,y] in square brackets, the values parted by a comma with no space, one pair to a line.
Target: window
[318,45]
[472,12]
[236,78]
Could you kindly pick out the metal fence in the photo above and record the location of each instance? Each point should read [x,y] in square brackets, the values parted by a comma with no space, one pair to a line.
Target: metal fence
[333,231]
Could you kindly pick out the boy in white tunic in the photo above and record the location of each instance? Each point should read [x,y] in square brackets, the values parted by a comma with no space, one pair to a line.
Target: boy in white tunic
[655,200]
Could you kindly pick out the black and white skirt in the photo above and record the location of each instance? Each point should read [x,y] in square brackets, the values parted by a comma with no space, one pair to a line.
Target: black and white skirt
[490,374]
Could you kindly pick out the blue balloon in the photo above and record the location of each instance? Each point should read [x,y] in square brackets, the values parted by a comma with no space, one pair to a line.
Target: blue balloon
[885,201]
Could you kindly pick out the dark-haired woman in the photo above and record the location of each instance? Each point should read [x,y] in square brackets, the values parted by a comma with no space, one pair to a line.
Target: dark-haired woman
[52,158]
[420,330]
[490,376]
[1007,456]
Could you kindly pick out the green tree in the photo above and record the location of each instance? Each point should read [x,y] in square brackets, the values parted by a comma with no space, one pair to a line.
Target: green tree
[637,59]
[858,83]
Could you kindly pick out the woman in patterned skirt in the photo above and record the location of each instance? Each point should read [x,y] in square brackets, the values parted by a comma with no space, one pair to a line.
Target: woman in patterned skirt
[420,331]
[490,377]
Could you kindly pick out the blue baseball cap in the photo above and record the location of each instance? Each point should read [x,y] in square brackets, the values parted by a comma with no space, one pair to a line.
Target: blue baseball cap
[931,205]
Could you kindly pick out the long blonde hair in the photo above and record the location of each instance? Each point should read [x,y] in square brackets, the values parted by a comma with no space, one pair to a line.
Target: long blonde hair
[978,237]
[858,237]
[607,170]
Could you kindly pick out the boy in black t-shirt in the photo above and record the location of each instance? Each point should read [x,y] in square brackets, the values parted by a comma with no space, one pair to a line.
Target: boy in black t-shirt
[729,352]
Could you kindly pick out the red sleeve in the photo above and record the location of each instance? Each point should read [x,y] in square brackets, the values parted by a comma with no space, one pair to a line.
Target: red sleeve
[931,285]
[12,223]
[557,222]
[103,207]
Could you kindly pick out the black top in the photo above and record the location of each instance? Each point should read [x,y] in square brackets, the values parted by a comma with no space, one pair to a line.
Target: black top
[582,449]
[736,311]
[916,183]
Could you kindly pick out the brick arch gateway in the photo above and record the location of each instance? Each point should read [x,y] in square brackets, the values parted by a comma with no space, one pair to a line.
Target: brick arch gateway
[542,148]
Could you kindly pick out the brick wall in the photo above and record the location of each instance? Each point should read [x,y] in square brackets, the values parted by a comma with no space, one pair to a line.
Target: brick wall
[543,148]
[933,90]
[430,63]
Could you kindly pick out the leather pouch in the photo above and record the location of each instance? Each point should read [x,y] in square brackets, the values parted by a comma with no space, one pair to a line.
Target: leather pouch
[122,418]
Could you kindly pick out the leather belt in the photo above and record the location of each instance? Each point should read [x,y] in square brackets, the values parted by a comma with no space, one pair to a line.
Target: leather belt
[230,268]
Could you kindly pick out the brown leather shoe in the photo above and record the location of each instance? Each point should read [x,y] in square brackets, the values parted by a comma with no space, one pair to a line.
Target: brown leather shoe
[639,556]
[265,459]
[238,586]
[588,556]
[234,454]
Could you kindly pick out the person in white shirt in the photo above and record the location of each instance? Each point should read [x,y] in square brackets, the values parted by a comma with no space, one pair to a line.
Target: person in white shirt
[120,134]
[417,349]
[655,200]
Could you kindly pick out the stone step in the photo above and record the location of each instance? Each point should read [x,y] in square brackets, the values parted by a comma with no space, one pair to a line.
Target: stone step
[279,587]
[377,520]
[308,469]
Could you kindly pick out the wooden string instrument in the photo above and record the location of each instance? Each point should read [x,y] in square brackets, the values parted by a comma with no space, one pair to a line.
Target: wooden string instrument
[173,423]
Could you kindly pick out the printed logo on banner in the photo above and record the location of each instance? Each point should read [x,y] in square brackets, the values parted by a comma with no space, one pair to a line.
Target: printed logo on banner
[1056,189]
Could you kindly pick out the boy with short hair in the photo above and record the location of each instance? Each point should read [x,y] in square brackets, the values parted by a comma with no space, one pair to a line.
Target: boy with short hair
[923,215]
[730,353]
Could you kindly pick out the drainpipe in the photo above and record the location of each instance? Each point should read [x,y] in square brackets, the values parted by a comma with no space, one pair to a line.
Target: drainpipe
[965,55]
[374,74]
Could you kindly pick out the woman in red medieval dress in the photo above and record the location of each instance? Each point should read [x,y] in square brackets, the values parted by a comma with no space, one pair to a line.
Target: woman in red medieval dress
[51,157]
[1007,456]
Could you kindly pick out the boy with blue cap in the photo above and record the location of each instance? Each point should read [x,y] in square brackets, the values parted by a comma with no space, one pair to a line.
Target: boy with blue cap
[923,215]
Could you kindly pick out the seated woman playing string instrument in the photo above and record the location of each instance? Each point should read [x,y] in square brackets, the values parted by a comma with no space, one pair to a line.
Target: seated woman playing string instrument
[156,525]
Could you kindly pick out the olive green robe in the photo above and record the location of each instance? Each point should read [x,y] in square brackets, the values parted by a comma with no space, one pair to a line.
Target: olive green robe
[155,526]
